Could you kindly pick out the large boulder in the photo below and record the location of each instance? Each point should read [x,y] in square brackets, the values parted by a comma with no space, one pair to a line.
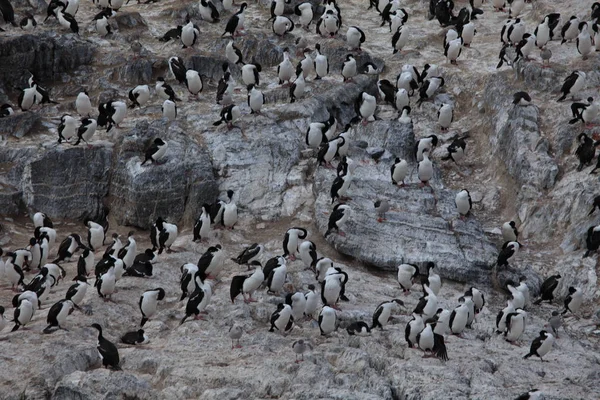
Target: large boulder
[172,190]
[422,225]
[46,55]
[68,182]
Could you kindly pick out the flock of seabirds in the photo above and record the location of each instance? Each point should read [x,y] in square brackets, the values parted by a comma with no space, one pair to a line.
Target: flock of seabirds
[430,323]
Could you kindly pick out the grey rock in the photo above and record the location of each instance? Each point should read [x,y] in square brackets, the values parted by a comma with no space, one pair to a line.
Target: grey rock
[462,254]
[140,192]
[129,20]
[46,55]
[517,139]
[68,182]
[19,124]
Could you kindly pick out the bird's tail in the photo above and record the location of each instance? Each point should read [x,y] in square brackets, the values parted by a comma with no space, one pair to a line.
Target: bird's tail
[564,96]
[183,320]
[538,301]
[219,122]
[527,356]
[144,320]
[50,329]
[573,121]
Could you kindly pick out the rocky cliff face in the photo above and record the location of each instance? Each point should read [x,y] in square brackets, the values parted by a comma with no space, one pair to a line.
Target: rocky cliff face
[519,166]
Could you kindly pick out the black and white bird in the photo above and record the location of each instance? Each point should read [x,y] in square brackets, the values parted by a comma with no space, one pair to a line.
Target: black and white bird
[193,82]
[413,328]
[572,85]
[585,112]
[586,151]
[6,110]
[547,289]
[425,169]
[429,87]
[407,273]
[229,114]
[148,303]
[282,25]
[327,321]
[208,11]
[445,116]
[592,239]
[329,24]
[68,247]
[541,345]
[164,90]
[400,39]
[533,394]
[453,50]
[509,250]
[463,202]
[139,96]
[211,262]
[510,233]
[249,254]
[570,29]
[86,130]
[515,325]
[58,315]
[358,328]
[156,151]
[135,337]
[23,313]
[247,284]
[291,241]
[298,88]
[233,54]
[76,292]
[304,11]
[250,74]
[321,63]
[169,110]
[177,69]
[189,35]
[28,23]
[355,37]
[365,106]
[282,319]
[429,341]
[399,171]
[108,351]
[349,68]
[338,218]
[278,7]
[235,24]
[573,300]
[67,128]
[199,299]
[101,21]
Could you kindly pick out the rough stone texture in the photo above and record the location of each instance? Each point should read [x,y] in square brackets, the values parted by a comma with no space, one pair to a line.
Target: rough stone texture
[418,228]
[518,141]
[140,193]
[68,182]
[18,125]
[46,55]
[274,179]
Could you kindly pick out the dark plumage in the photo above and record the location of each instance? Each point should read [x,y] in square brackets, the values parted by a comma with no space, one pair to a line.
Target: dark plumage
[134,338]
[547,289]
[108,351]
[585,151]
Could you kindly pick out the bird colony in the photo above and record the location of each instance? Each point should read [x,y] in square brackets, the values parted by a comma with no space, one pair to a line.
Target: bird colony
[404,200]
